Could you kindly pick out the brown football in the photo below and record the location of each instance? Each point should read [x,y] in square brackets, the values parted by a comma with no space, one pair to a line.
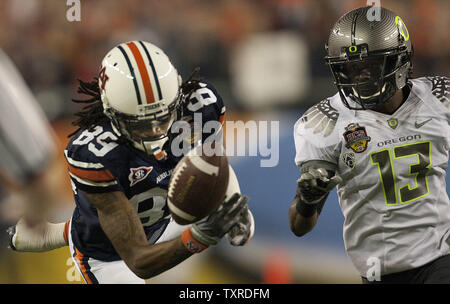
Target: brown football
[197,186]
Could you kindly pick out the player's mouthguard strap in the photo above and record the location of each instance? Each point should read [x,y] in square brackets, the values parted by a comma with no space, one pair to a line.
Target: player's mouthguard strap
[191,243]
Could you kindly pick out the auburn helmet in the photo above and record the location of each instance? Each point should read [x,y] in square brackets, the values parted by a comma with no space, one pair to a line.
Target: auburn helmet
[140,92]
[369,53]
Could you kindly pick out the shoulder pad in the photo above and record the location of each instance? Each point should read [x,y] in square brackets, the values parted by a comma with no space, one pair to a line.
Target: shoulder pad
[206,100]
[87,162]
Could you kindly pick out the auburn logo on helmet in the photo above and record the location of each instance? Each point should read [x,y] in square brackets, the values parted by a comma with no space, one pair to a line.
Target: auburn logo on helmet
[103,78]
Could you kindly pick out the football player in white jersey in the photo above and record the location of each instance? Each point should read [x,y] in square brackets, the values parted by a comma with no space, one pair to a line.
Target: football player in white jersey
[120,161]
[383,139]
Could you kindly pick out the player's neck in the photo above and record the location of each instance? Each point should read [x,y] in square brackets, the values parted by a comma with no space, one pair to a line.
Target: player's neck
[393,104]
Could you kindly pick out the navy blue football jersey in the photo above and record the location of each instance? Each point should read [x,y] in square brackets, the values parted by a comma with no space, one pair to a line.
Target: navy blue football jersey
[99,162]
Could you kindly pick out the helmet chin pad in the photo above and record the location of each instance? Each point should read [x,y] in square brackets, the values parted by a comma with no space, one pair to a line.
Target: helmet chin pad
[365,100]
[370,96]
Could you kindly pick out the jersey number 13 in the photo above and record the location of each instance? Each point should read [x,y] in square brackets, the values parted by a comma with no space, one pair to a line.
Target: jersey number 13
[384,159]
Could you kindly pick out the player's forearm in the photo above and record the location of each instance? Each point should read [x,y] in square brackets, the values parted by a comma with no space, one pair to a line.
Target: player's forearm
[143,259]
[300,224]
[121,224]
[152,260]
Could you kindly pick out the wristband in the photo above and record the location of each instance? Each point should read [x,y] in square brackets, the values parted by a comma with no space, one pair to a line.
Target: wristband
[191,243]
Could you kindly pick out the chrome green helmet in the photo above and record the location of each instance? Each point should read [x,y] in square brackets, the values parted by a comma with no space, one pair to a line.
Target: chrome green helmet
[369,53]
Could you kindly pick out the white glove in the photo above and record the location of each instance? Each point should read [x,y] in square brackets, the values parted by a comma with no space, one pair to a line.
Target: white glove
[44,237]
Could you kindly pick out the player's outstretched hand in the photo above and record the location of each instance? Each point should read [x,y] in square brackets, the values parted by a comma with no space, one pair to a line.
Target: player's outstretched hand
[211,229]
[315,184]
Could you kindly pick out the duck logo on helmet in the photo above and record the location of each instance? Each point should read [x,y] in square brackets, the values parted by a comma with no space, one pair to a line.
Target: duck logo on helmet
[402,28]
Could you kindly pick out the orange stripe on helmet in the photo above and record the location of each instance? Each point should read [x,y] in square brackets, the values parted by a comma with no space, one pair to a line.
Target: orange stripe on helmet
[143,71]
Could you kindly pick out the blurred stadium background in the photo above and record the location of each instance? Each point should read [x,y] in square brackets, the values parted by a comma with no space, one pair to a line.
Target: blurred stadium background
[265,57]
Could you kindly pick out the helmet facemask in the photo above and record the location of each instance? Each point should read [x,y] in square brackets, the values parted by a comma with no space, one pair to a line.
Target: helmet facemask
[369,81]
[147,132]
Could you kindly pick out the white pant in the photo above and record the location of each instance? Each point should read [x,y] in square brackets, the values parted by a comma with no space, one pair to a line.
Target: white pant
[99,272]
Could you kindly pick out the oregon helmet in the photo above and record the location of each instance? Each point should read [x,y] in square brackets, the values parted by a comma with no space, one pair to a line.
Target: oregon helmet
[140,92]
[369,57]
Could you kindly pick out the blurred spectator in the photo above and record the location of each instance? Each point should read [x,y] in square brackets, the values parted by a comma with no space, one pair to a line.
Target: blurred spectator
[52,52]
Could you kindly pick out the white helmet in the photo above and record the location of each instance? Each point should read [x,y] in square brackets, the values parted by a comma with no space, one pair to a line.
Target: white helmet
[140,92]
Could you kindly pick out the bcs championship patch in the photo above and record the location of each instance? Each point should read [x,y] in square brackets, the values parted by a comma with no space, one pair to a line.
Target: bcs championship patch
[356,137]
[138,174]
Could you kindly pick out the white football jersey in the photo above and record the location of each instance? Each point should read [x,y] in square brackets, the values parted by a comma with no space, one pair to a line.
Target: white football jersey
[393,167]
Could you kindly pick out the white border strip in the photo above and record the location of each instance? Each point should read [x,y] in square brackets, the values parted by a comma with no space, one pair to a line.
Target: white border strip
[204,166]
[82,164]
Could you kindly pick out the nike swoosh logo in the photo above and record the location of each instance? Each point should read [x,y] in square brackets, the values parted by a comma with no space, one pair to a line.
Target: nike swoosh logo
[420,124]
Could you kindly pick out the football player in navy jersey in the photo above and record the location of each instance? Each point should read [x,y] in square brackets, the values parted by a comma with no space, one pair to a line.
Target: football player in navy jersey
[120,161]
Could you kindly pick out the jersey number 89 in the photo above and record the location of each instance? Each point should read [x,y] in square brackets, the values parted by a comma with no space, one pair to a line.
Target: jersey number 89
[103,143]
